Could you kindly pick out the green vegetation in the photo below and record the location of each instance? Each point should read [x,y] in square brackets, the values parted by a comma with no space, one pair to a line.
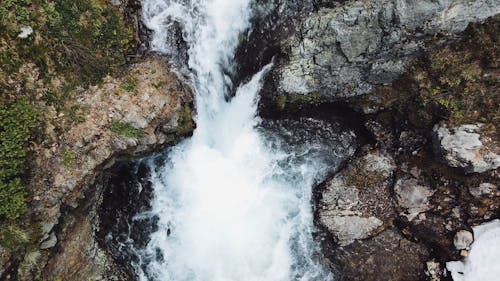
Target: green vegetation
[129,84]
[125,129]
[70,45]
[295,101]
[462,81]
[83,39]
[185,121]
[17,123]
[76,113]
[12,236]
[458,82]
[68,158]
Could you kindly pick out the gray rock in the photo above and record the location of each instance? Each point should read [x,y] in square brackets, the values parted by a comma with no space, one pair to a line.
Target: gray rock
[347,229]
[412,197]
[463,239]
[50,242]
[25,32]
[353,208]
[461,147]
[348,50]
[433,270]
[482,189]
[387,256]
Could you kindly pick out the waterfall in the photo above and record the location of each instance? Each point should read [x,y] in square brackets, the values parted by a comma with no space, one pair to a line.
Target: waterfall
[232,203]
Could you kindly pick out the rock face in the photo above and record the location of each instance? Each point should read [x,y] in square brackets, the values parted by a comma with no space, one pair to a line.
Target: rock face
[146,109]
[118,120]
[462,147]
[347,51]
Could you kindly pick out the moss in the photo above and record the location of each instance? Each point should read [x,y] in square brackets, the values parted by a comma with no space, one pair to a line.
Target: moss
[84,39]
[358,175]
[457,82]
[30,265]
[296,101]
[68,158]
[185,123]
[17,124]
[129,84]
[125,129]
[11,237]
[461,80]
[76,113]
[281,102]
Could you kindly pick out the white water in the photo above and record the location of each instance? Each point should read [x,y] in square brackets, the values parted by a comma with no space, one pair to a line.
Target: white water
[228,208]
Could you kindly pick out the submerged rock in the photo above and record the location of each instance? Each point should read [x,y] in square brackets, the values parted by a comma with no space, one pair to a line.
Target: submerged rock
[325,144]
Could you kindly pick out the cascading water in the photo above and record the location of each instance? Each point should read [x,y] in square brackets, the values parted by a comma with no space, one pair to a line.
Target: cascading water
[233,204]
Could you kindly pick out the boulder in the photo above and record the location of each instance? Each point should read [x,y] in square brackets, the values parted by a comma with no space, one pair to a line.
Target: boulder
[355,203]
[462,147]
[463,239]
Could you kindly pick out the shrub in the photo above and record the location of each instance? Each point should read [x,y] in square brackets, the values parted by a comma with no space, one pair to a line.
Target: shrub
[17,122]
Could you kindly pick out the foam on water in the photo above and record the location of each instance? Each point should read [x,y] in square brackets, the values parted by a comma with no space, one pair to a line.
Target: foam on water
[229,207]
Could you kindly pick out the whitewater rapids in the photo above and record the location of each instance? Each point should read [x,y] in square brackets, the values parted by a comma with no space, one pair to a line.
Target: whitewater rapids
[230,204]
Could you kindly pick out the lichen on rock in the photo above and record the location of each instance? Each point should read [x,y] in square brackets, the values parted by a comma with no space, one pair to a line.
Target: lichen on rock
[461,147]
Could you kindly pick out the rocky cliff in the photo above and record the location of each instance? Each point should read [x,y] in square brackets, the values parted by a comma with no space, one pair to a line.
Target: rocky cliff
[144,110]
[76,108]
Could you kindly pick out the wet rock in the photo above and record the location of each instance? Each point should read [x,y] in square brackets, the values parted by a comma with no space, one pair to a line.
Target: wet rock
[463,239]
[412,197]
[387,256]
[462,147]
[325,142]
[125,204]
